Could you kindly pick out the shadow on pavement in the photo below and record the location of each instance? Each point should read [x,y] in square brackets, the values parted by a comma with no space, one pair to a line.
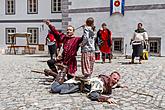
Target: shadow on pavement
[43,61]
[44,81]
[38,56]
[128,63]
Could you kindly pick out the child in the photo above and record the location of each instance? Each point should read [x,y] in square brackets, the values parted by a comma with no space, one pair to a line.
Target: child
[50,41]
[88,48]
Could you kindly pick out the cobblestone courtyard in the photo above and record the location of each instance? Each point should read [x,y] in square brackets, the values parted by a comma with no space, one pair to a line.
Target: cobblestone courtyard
[21,89]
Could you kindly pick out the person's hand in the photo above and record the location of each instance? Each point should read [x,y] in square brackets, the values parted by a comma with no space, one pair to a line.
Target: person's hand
[125,87]
[80,44]
[83,26]
[111,46]
[60,80]
[131,41]
[46,21]
[59,57]
[121,86]
[111,101]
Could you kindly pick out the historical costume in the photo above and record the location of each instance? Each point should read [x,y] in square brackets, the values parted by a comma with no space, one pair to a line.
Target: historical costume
[139,41]
[104,41]
[51,42]
[88,48]
[95,87]
[70,48]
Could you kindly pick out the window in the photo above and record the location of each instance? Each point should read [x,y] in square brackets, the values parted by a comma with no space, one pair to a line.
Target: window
[154,46]
[117,45]
[10,7]
[8,38]
[34,38]
[32,6]
[56,6]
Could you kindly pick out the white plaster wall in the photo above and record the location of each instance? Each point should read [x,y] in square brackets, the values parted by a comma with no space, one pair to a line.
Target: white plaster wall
[106,3]
[89,3]
[143,2]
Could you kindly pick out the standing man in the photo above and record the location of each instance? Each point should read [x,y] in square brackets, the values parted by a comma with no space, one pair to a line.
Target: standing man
[139,42]
[104,41]
[70,48]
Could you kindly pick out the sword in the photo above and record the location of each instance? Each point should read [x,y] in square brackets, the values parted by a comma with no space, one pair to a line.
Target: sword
[79,27]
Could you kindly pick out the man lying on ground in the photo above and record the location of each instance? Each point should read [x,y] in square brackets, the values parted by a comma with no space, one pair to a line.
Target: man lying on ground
[95,87]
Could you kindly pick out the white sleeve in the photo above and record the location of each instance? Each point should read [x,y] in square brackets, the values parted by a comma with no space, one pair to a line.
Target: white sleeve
[145,36]
[85,36]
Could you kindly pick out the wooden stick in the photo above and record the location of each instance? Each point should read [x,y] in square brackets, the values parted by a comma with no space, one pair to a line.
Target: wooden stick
[36,71]
[146,94]
[135,92]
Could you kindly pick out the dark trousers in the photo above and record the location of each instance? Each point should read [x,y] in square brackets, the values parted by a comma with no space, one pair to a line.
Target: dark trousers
[52,50]
[104,56]
[65,88]
[94,96]
[137,51]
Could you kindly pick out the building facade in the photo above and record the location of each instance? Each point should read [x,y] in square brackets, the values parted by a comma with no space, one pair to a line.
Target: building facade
[27,16]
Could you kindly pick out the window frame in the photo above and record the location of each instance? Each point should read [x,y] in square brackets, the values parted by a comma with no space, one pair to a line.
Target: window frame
[28,7]
[6,7]
[52,6]
[158,40]
[6,38]
[121,40]
[37,37]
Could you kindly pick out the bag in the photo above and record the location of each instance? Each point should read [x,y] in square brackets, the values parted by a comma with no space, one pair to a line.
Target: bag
[145,55]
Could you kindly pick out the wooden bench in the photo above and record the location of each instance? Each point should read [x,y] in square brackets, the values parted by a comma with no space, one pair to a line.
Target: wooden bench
[16,46]
[26,49]
[14,36]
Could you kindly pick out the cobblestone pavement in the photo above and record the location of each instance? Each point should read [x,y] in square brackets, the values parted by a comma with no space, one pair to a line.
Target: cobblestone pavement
[20,89]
